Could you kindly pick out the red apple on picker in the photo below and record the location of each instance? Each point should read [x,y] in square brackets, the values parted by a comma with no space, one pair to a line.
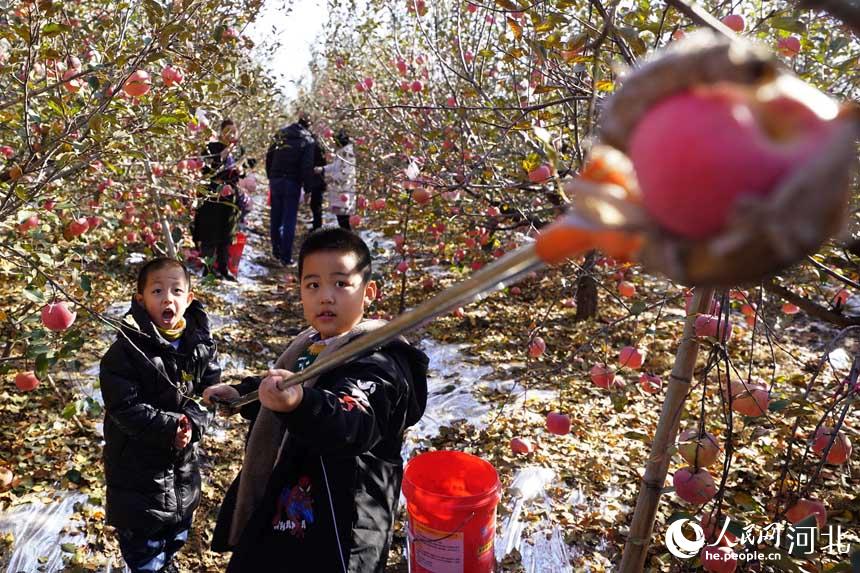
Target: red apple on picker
[749,398]
[712,326]
[137,84]
[172,76]
[701,451]
[697,152]
[602,376]
[735,22]
[626,289]
[56,316]
[840,451]
[788,47]
[540,174]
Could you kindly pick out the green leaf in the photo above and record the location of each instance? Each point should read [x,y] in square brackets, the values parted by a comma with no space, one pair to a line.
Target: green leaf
[93,408]
[788,23]
[34,295]
[70,410]
[637,435]
[838,43]
[74,476]
[778,405]
[86,285]
[619,401]
[679,515]
[69,547]
[44,361]
[638,307]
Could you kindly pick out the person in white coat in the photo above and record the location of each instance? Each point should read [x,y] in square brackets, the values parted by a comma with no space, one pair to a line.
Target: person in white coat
[340,180]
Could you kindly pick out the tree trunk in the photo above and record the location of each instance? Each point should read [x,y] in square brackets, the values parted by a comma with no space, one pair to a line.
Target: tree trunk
[586,290]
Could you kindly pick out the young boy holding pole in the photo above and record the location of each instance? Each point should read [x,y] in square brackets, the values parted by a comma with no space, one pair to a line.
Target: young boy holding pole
[321,477]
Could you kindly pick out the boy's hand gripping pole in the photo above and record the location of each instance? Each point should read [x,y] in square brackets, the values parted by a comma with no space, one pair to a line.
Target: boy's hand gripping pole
[553,246]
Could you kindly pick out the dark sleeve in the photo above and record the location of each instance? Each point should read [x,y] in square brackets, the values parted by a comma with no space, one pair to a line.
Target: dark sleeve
[199,418]
[211,376]
[319,156]
[270,153]
[308,165]
[246,386]
[125,406]
[349,417]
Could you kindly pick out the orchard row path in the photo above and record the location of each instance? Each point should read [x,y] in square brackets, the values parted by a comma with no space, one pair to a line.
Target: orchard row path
[565,506]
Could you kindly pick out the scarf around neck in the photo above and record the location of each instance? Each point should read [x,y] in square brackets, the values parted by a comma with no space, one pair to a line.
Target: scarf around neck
[173,334]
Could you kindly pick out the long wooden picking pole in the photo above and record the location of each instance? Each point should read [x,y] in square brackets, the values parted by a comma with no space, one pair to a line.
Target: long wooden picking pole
[507,270]
[641,529]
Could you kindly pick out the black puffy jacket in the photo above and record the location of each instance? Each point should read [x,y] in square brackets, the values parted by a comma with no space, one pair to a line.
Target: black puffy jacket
[217,215]
[146,385]
[291,155]
[331,501]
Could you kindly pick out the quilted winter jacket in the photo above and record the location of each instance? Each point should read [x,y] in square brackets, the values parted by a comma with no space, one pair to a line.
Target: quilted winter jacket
[332,497]
[146,385]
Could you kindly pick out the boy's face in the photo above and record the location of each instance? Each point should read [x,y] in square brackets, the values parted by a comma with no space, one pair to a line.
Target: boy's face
[333,295]
[166,296]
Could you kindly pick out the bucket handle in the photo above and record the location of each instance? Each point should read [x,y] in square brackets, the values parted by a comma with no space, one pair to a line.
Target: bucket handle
[458,529]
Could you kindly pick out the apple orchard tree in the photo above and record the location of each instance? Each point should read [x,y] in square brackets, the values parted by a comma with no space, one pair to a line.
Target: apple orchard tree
[467,115]
[104,110]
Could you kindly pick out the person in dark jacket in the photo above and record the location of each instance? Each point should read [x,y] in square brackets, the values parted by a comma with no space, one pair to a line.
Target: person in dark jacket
[218,212]
[320,481]
[162,355]
[289,167]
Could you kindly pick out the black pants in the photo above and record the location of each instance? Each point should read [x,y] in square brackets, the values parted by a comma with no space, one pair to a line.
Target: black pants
[316,206]
[220,251]
[343,222]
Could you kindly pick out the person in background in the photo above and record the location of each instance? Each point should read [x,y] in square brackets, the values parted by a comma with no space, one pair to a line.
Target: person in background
[340,180]
[217,215]
[289,167]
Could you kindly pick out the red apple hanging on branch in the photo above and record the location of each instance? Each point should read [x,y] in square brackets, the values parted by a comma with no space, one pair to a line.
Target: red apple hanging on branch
[57,316]
[137,84]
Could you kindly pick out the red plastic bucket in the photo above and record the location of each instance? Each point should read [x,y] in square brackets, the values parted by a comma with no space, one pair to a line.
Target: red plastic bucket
[451,499]
[234,253]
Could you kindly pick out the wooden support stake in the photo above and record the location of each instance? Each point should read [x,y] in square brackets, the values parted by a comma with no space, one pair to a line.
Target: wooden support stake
[642,526]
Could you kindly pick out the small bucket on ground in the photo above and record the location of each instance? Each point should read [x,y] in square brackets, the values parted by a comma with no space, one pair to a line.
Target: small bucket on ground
[451,499]
[234,253]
